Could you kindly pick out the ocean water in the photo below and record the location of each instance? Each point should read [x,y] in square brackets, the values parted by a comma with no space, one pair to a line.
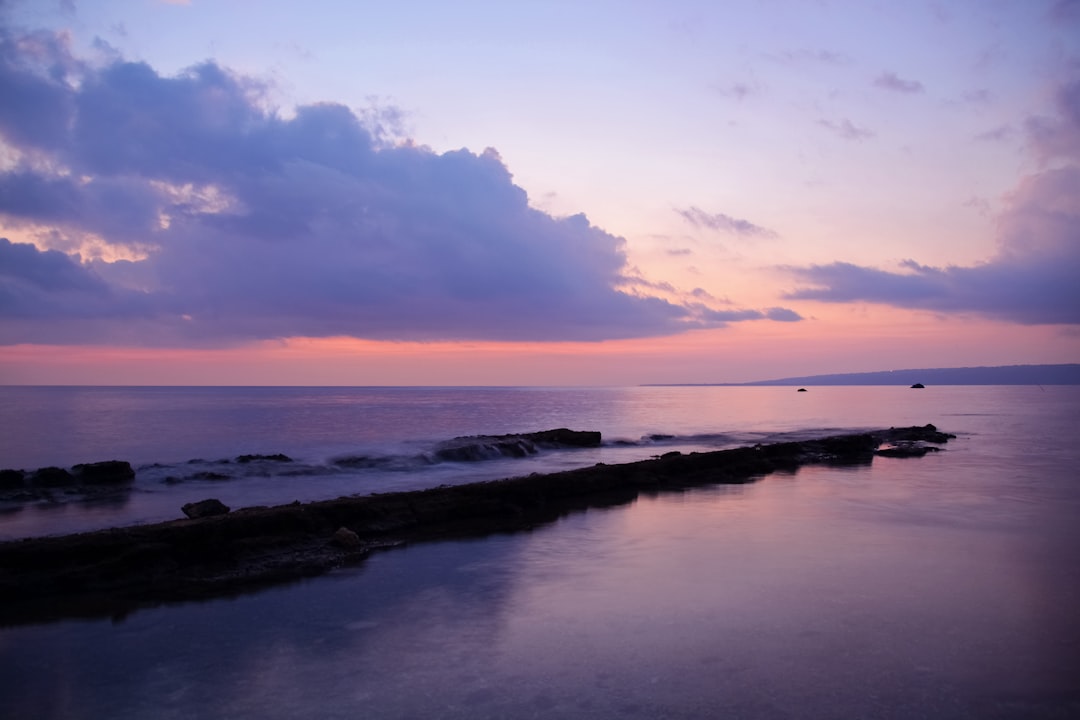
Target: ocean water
[940,587]
[184,442]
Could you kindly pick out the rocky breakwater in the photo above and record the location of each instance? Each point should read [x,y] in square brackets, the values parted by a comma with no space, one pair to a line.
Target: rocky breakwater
[113,572]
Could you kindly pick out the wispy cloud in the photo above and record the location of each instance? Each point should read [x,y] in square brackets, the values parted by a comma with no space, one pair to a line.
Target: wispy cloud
[895,83]
[1001,133]
[738,90]
[721,222]
[776,314]
[807,56]
[982,96]
[1058,136]
[238,224]
[979,205]
[846,129]
[1032,278]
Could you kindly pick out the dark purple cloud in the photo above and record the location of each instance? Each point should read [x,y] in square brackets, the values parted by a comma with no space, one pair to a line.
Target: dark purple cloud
[36,72]
[895,83]
[1031,280]
[723,223]
[1065,11]
[239,223]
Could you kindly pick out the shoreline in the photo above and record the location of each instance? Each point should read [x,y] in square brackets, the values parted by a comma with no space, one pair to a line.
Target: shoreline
[117,571]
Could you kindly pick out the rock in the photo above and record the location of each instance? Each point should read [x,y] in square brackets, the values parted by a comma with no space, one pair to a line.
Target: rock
[51,477]
[209,475]
[205,508]
[345,538]
[917,386]
[926,433]
[563,436]
[484,447]
[10,479]
[109,472]
[278,457]
[906,449]
[801,390]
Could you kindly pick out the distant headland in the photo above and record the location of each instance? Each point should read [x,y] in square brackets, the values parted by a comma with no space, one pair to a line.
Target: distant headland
[1068,374]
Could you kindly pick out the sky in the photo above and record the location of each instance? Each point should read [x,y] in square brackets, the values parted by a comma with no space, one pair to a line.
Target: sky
[534,193]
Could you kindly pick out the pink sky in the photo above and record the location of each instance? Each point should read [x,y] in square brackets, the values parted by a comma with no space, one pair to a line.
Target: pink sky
[534,193]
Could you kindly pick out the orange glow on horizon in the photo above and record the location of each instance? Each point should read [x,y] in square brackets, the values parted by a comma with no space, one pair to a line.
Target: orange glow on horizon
[847,339]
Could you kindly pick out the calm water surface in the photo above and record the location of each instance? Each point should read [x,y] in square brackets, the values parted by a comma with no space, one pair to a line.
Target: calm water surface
[940,587]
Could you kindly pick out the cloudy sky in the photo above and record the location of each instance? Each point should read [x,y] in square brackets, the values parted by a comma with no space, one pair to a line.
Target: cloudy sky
[589,192]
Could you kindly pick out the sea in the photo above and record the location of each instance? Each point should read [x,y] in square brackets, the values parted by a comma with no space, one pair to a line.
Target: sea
[946,586]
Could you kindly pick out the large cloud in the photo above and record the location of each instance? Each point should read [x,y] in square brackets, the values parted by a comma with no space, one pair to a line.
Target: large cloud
[1033,278]
[187,212]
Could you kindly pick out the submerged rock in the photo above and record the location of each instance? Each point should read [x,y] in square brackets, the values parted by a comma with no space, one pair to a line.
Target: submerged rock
[918,386]
[209,475]
[277,457]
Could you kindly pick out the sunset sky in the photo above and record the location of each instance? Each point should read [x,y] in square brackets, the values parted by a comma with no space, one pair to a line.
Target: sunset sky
[345,192]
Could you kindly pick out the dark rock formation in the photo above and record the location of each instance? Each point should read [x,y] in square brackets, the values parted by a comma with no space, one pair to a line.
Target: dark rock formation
[565,438]
[801,390]
[911,442]
[924,433]
[10,479]
[472,449]
[51,477]
[209,475]
[278,457]
[205,508]
[112,572]
[109,472]
[917,386]
[906,449]
[485,447]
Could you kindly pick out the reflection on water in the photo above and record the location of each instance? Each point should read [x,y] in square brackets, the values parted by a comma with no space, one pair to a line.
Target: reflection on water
[894,591]
[943,587]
